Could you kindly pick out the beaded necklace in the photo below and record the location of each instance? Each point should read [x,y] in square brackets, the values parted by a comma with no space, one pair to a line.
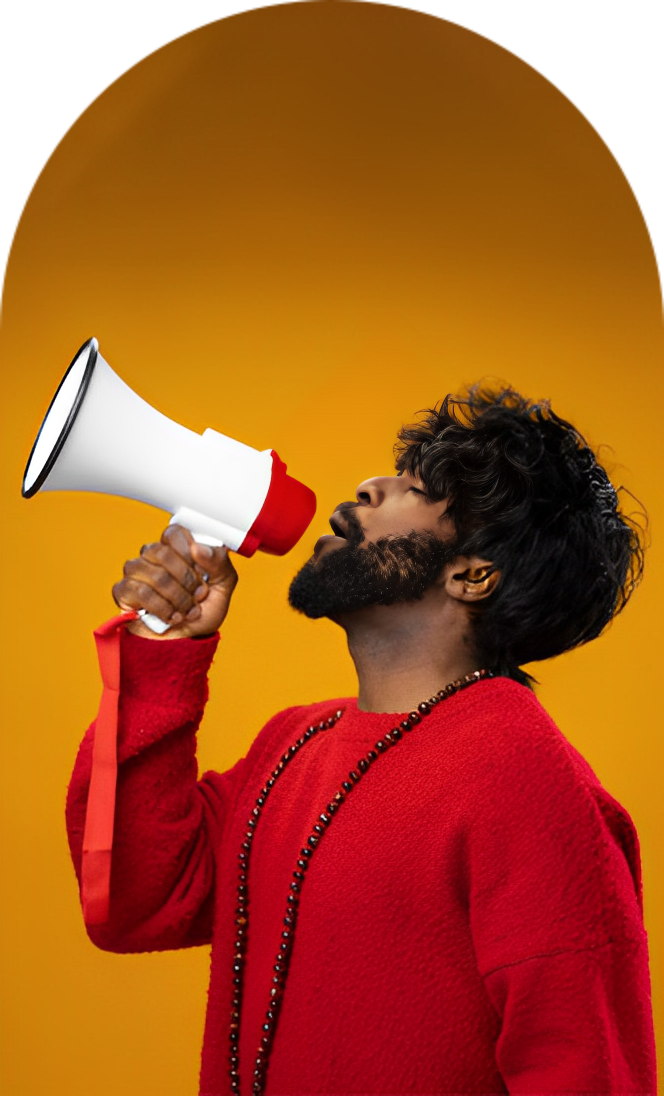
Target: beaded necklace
[282,959]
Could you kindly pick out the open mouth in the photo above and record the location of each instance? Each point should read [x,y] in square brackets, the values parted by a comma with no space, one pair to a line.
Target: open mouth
[346,530]
[346,525]
[337,529]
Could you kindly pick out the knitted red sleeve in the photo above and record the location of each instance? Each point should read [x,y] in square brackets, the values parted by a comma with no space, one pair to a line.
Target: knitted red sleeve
[167,823]
[555,909]
[577,1022]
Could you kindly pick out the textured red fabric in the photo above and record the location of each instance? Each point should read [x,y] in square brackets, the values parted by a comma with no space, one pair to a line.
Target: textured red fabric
[470,923]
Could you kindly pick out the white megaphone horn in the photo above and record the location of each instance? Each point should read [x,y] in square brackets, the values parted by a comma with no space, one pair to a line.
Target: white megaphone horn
[98,435]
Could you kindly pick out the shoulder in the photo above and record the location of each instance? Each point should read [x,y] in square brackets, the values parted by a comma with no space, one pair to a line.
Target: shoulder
[543,836]
[507,730]
[522,772]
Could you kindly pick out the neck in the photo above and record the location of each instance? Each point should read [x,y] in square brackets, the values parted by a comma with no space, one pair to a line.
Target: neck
[404,653]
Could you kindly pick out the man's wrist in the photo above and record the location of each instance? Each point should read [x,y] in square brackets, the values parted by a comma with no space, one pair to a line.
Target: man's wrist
[167,673]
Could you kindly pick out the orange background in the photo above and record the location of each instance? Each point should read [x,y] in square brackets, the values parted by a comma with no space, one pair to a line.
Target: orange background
[298,226]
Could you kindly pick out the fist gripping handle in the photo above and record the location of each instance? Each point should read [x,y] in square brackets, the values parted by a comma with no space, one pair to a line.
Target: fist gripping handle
[181,517]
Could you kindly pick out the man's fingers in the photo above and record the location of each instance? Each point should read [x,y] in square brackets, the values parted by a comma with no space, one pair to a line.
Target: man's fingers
[162,555]
[161,581]
[180,540]
[215,562]
[139,595]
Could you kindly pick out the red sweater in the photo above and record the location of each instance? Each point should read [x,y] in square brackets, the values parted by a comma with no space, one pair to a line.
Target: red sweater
[471,922]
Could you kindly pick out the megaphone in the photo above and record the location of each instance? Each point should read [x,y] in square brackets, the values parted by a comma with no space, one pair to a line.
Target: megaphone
[98,435]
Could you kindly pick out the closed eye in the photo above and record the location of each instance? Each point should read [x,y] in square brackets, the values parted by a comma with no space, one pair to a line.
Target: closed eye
[424,494]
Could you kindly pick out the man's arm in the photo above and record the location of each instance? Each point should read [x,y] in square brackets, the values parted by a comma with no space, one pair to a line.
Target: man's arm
[556,920]
[576,1022]
[167,823]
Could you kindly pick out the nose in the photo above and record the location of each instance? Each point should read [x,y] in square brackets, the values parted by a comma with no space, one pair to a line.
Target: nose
[371,492]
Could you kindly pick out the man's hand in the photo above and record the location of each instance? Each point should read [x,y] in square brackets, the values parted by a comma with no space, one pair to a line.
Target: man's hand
[167,580]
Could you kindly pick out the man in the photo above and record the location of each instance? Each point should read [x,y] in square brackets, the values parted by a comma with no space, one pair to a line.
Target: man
[423,889]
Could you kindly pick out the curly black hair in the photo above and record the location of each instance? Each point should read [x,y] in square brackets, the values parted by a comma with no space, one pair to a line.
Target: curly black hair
[526,492]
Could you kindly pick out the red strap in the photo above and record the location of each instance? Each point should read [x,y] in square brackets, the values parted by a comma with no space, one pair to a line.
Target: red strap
[100,812]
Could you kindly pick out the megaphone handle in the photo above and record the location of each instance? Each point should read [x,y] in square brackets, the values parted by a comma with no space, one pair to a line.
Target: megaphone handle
[155,623]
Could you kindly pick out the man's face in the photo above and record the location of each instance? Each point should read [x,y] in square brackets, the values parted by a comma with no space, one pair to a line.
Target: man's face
[387,506]
[388,546]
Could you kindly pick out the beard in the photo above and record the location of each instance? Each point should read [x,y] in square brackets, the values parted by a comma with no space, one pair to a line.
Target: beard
[395,568]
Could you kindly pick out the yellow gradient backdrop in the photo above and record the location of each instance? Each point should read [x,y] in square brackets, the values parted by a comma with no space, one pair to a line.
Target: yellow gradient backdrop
[299,226]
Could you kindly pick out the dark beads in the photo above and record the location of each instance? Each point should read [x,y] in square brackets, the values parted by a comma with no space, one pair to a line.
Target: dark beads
[391,738]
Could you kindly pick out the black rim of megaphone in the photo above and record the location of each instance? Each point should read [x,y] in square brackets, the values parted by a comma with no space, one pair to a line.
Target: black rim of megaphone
[71,417]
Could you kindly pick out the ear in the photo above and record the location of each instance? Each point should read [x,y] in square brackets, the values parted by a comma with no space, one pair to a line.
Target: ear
[469,578]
